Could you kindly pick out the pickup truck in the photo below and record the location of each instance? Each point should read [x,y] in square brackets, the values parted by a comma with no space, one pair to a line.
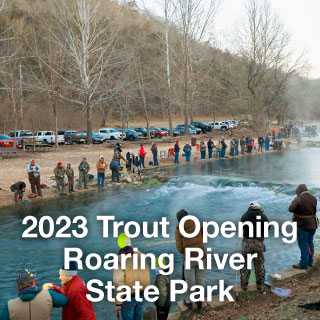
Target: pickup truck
[223,125]
[73,136]
[49,137]
[201,125]
[25,135]
[110,134]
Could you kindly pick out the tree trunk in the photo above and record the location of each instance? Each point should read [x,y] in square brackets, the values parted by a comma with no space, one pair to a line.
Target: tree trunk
[55,115]
[89,123]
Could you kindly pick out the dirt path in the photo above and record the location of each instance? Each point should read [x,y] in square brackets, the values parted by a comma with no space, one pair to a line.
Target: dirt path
[14,169]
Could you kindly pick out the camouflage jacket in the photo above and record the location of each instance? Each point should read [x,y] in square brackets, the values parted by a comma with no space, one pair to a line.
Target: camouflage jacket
[70,172]
[59,172]
[84,167]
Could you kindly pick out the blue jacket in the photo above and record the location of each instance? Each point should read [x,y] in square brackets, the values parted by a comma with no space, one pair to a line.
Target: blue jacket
[58,300]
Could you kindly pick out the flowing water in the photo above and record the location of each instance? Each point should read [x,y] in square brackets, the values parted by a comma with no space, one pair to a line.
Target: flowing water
[216,191]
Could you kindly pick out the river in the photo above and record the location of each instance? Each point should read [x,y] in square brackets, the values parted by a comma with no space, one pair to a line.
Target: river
[216,191]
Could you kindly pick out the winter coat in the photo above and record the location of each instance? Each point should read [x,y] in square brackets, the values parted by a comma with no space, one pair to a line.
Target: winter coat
[129,276]
[114,165]
[196,242]
[267,138]
[176,148]
[35,303]
[101,166]
[251,216]
[154,149]
[59,172]
[84,166]
[210,144]
[32,167]
[163,284]
[260,140]
[304,208]
[78,307]
[70,173]
[142,152]
[16,186]
[236,141]
[251,143]
[242,142]
[224,145]
[219,146]
[202,147]
[187,147]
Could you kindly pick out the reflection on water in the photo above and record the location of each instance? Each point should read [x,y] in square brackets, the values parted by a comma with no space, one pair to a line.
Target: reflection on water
[217,191]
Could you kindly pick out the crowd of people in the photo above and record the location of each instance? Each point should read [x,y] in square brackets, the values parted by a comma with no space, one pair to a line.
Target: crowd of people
[134,163]
[36,302]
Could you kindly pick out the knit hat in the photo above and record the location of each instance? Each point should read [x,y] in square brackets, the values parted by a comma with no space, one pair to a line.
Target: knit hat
[72,271]
[59,163]
[254,205]
[24,276]
[180,214]
[33,161]
[101,156]
[124,241]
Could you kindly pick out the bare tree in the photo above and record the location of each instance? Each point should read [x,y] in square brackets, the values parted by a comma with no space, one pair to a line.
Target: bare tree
[194,19]
[83,31]
[263,45]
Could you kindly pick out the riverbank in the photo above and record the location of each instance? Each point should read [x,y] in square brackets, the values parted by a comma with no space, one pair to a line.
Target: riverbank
[14,169]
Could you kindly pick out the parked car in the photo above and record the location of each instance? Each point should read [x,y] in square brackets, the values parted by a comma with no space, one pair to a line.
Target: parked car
[202,125]
[6,141]
[158,132]
[231,123]
[220,125]
[144,132]
[198,130]
[25,135]
[110,134]
[181,129]
[49,137]
[130,134]
[96,137]
[73,136]
[175,132]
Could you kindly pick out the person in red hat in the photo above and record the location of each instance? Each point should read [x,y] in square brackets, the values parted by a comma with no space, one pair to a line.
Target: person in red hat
[33,170]
[59,173]
[73,287]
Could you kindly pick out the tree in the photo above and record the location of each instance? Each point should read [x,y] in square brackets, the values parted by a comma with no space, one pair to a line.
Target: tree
[195,19]
[263,45]
[88,37]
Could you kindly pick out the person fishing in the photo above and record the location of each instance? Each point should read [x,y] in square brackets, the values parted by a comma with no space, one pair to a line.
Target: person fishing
[19,189]
[304,209]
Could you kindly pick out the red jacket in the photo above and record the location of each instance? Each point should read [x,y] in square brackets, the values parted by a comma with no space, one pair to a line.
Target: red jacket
[251,144]
[142,152]
[78,307]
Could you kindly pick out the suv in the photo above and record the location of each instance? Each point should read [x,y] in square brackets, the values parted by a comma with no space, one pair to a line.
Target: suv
[145,132]
[220,125]
[49,137]
[73,136]
[130,134]
[180,128]
[201,125]
[110,134]
[175,131]
[159,133]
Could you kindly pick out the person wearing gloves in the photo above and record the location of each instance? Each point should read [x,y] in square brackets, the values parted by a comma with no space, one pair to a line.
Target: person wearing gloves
[32,302]
[130,310]
[34,170]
